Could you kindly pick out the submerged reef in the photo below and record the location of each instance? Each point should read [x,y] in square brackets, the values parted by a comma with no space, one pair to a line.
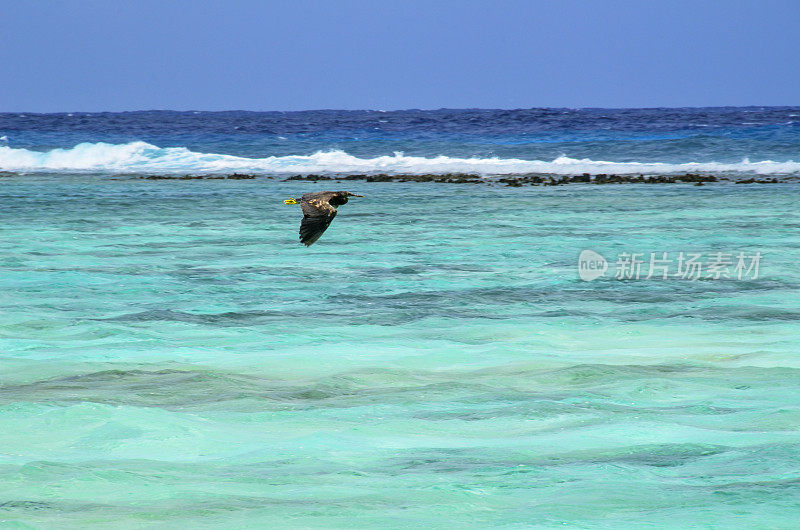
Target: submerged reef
[538,179]
[232,176]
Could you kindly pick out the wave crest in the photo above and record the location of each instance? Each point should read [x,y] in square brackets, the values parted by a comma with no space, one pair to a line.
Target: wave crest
[144,157]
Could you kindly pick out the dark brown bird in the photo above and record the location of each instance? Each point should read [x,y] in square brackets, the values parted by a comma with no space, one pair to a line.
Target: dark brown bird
[319,209]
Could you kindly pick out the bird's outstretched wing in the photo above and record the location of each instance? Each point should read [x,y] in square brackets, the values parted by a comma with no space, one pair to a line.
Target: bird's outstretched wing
[317,216]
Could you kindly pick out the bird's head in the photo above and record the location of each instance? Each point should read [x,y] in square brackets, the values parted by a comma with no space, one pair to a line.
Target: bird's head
[341,197]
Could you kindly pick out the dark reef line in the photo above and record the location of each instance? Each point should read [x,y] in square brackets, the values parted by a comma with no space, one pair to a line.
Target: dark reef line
[516,180]
[531,179]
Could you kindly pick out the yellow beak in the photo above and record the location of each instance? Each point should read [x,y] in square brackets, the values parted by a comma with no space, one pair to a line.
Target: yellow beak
[290,201]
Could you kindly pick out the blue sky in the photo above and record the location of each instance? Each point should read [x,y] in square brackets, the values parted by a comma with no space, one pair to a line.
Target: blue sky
[92,55]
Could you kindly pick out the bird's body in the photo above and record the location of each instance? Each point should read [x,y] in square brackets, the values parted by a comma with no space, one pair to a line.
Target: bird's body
[319,209]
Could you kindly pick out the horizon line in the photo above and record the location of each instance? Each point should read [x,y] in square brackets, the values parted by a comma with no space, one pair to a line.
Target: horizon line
[410,109]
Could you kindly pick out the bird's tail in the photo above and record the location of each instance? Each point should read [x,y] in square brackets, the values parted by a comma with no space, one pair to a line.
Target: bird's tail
[290,200]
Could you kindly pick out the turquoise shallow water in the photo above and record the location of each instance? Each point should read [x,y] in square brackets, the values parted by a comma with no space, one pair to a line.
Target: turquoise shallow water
[170,356]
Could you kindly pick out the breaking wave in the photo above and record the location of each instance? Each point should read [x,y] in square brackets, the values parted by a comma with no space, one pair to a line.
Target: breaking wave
[144,157]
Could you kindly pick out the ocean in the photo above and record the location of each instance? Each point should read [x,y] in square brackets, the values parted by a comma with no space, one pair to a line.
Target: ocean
[171,356]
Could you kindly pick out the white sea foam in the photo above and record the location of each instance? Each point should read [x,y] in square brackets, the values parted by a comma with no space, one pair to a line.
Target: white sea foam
[144,157]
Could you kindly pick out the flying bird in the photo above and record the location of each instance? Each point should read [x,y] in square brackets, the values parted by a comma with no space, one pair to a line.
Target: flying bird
[319,209]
